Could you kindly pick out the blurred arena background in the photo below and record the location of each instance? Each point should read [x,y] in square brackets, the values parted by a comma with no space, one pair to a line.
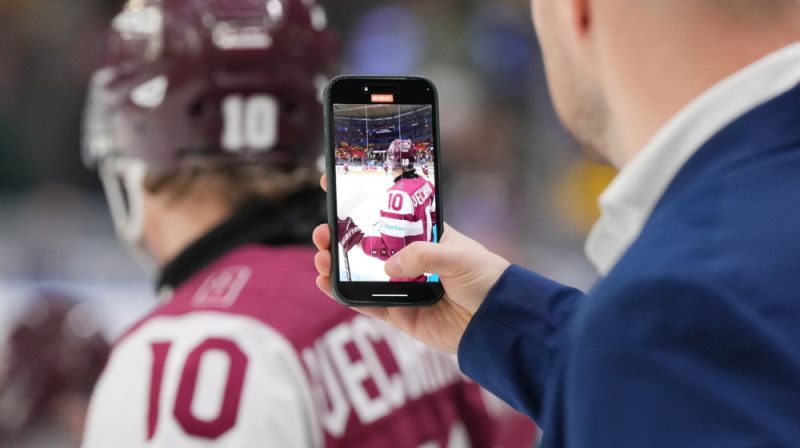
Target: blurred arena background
[512,177]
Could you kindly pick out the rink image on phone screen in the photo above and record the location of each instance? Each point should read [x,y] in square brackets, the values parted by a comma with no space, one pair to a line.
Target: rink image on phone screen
[385,184]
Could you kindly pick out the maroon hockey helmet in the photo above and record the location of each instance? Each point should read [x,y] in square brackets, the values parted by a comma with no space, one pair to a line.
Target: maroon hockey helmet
[231,81]
[54,347]
[402,154]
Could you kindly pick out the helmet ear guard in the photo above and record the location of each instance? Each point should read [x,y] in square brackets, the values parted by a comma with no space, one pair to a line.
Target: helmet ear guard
[123,182]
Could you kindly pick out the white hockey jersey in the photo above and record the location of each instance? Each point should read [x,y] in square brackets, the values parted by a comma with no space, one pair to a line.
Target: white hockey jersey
[248,353]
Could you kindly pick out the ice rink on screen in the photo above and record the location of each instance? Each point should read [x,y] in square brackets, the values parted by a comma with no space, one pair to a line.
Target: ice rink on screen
[366,216]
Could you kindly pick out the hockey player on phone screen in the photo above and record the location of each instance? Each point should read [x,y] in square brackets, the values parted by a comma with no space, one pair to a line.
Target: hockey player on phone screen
[205,125]
[408,213]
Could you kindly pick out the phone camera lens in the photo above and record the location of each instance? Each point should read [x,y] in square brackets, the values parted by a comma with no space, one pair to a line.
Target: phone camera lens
[366,88]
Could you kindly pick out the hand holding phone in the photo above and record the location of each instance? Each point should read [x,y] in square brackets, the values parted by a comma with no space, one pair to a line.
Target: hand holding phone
[468,272]
[382,156]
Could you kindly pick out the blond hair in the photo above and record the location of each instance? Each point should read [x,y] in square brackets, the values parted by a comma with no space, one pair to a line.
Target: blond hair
[234,184]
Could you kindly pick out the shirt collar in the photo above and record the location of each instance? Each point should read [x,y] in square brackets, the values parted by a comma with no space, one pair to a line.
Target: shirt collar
[627,203]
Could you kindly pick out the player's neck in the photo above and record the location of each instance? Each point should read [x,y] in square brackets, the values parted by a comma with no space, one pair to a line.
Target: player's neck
[171,228]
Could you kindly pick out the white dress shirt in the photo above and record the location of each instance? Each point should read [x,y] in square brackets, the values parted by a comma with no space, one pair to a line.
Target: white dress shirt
[628,202]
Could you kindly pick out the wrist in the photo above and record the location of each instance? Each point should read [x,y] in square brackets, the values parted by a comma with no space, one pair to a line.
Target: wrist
[495,268]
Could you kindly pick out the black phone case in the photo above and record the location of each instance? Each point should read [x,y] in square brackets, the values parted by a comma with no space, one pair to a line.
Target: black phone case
[331,196]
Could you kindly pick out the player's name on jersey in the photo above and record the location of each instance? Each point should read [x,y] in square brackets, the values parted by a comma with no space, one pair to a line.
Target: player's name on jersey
[421,195]
[365,365]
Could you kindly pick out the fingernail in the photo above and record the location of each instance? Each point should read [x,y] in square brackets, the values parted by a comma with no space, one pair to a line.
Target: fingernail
[394,266]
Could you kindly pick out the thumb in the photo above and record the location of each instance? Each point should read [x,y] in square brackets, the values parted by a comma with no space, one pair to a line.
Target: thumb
[420,257]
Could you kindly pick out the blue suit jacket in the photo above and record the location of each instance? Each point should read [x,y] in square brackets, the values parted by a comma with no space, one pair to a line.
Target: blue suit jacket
[693,339]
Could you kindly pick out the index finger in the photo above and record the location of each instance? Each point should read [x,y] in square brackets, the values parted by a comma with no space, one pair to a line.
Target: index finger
[323,182]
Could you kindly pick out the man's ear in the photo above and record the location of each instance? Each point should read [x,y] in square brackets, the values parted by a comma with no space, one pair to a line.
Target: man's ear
[581,15]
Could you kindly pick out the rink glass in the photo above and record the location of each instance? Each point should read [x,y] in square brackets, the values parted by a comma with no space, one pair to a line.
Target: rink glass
[363,116]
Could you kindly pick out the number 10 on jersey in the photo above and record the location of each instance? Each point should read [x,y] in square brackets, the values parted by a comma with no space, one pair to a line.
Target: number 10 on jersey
[181,407]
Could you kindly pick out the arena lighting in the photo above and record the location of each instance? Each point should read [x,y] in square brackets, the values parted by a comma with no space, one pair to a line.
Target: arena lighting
[382,98]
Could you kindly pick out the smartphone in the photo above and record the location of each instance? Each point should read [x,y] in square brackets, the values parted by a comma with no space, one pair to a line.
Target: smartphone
[382,158]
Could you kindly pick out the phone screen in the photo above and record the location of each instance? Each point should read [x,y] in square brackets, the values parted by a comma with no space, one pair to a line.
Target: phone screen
[385,170]
[382,159]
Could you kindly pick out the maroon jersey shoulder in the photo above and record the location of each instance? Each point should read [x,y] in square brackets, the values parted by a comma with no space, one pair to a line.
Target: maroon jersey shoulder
[410,185]
[420,190]
[275,285]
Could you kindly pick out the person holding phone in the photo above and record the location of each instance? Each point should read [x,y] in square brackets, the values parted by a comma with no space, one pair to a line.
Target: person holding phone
[205,125]
[408,213]
[691,337]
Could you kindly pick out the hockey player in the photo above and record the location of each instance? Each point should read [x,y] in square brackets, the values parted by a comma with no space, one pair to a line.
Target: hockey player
[346,169]
[408,213]
[425,170]
[205,126]
[386,168]
[49,363]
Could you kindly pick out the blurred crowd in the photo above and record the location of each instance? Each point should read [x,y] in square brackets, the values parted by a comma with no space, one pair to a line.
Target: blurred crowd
[512,177]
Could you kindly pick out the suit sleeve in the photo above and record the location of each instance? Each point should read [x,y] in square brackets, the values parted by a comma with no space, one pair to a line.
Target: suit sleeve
[678,363]
[510,344]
